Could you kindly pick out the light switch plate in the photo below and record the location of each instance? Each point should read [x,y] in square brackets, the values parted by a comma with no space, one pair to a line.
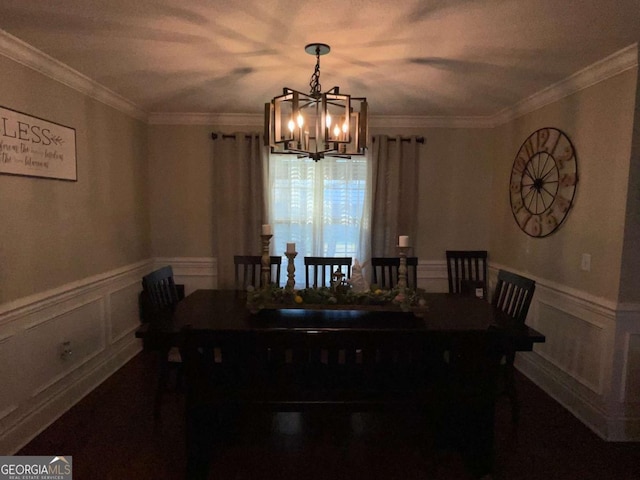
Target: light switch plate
[585,263]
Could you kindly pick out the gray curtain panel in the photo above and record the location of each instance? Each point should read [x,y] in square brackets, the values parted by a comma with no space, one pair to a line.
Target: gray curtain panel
[394,167]
[240,200]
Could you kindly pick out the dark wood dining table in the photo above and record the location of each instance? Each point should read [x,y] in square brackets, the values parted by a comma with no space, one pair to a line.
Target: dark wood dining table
[449,321]
[445,314]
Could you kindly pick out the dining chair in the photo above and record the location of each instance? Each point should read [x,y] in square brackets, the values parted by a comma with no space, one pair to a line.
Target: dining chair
[248,270]
[319,270]
[467,272]
[513,295]
[385,272]
[160,294]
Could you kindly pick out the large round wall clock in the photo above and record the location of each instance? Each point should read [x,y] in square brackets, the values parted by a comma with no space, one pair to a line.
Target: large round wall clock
[543,182]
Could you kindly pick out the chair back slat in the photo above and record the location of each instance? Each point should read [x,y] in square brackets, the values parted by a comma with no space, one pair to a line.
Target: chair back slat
[467,271]
[161,288]
[248,270]
[319,270]
[513,295]
[385,271]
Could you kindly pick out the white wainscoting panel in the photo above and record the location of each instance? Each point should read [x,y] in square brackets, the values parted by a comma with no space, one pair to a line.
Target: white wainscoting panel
[81,329]
[432,276]
[94,318]
[12,358]
[624,421]
[631,388]
[574,345]
[590,362]
[124,310]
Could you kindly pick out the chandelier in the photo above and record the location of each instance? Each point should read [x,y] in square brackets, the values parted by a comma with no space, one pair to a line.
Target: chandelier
[316,125]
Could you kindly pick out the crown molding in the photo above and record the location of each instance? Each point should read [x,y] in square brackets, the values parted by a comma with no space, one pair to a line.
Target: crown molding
[377,121]
[408,121]
[226,119]
[24,54]
[608,67]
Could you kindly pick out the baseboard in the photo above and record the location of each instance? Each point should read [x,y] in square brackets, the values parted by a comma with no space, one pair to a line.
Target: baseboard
[549,379]
[53,408]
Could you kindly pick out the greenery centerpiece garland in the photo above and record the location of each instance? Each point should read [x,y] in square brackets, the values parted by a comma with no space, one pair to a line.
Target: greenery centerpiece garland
[342,296]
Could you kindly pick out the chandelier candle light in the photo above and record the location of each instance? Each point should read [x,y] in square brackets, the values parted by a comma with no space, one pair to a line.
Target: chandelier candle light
[317,124]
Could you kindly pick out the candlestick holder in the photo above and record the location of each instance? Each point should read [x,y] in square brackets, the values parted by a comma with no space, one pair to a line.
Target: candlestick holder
[291,271]
[402,269]
[266,261]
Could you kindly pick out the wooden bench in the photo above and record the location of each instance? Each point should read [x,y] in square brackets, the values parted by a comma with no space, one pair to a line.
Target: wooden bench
[449,378]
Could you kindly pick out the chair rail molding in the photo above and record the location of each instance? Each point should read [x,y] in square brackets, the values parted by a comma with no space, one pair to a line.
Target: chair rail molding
[201,272]
[432,275]
[193,272]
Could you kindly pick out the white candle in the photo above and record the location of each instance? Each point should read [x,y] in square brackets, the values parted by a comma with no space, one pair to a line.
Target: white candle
[266,229]
[403,241]
[291,247]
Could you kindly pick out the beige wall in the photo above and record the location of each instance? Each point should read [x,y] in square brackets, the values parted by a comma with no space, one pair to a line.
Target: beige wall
[180,191]
[598,120]
[630,278]
[455,191]
[55,232]
[181,183]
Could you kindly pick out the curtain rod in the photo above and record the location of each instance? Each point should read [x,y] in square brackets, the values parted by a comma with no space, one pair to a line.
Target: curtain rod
[403,139]
[215,136]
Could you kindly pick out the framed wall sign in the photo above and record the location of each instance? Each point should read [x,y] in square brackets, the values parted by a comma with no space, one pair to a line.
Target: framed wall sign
[35,147]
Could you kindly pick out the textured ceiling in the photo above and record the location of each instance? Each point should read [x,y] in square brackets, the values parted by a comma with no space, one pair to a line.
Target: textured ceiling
[418,57]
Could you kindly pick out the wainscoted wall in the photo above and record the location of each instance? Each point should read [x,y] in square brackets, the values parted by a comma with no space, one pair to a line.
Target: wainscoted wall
[193,272]
[590,362]
[58,345]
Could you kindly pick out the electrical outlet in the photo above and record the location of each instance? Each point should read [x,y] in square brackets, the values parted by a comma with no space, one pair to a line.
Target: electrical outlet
[66,352]
[585,263]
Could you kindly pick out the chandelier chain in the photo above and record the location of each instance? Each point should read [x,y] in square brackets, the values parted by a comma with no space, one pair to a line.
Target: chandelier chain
[316,88]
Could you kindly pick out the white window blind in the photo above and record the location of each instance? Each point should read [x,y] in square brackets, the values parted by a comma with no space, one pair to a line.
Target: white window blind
[317,205]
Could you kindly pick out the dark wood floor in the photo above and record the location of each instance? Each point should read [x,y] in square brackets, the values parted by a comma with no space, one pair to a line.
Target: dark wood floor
[112,435]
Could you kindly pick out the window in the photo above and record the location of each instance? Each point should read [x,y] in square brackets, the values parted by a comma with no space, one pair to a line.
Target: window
[317,205]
